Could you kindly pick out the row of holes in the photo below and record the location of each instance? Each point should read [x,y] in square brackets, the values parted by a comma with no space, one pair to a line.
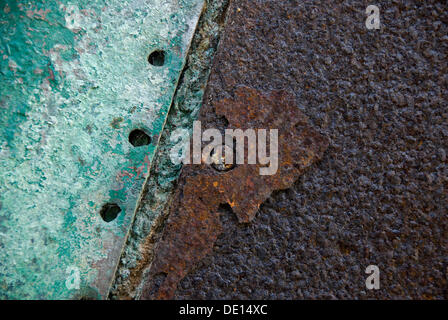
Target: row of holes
[137,138]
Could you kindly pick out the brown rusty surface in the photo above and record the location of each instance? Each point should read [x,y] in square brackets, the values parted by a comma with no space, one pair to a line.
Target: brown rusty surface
[194,220]
[379,194]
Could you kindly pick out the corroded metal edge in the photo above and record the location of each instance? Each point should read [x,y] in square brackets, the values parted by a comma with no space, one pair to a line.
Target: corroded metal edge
[157,196]
[187,37]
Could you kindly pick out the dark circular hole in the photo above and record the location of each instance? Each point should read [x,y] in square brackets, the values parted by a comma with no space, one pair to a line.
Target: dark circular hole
[221,164]
[139,138]
[110,211]
[157,58]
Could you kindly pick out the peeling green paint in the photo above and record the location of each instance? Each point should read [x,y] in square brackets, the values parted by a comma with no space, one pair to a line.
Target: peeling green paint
[75,82]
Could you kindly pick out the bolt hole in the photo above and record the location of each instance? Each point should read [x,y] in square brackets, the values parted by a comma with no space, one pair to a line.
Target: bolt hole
[139,138]
[110,211]
[220,164]
[157,58]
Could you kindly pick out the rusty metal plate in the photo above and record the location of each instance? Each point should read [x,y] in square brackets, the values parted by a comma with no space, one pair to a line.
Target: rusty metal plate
[77,80]
[194,218]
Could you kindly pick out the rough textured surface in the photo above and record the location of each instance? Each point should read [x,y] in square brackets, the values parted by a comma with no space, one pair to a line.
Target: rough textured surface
[194,219]
[75,81]
[151,214]
[379,196]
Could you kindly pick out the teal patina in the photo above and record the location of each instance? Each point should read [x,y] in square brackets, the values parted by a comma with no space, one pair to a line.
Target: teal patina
[75,81]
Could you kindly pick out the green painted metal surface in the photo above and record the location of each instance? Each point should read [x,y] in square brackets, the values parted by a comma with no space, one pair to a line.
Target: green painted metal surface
[75,81]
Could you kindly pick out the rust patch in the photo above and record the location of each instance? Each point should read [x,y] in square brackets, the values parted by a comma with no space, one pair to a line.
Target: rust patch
[194,223]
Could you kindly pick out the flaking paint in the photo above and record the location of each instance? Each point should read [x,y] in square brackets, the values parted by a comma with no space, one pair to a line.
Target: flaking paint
[69,69]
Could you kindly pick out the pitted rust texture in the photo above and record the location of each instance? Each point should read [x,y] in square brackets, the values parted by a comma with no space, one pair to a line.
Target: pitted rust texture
[194,222]
[379,194]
